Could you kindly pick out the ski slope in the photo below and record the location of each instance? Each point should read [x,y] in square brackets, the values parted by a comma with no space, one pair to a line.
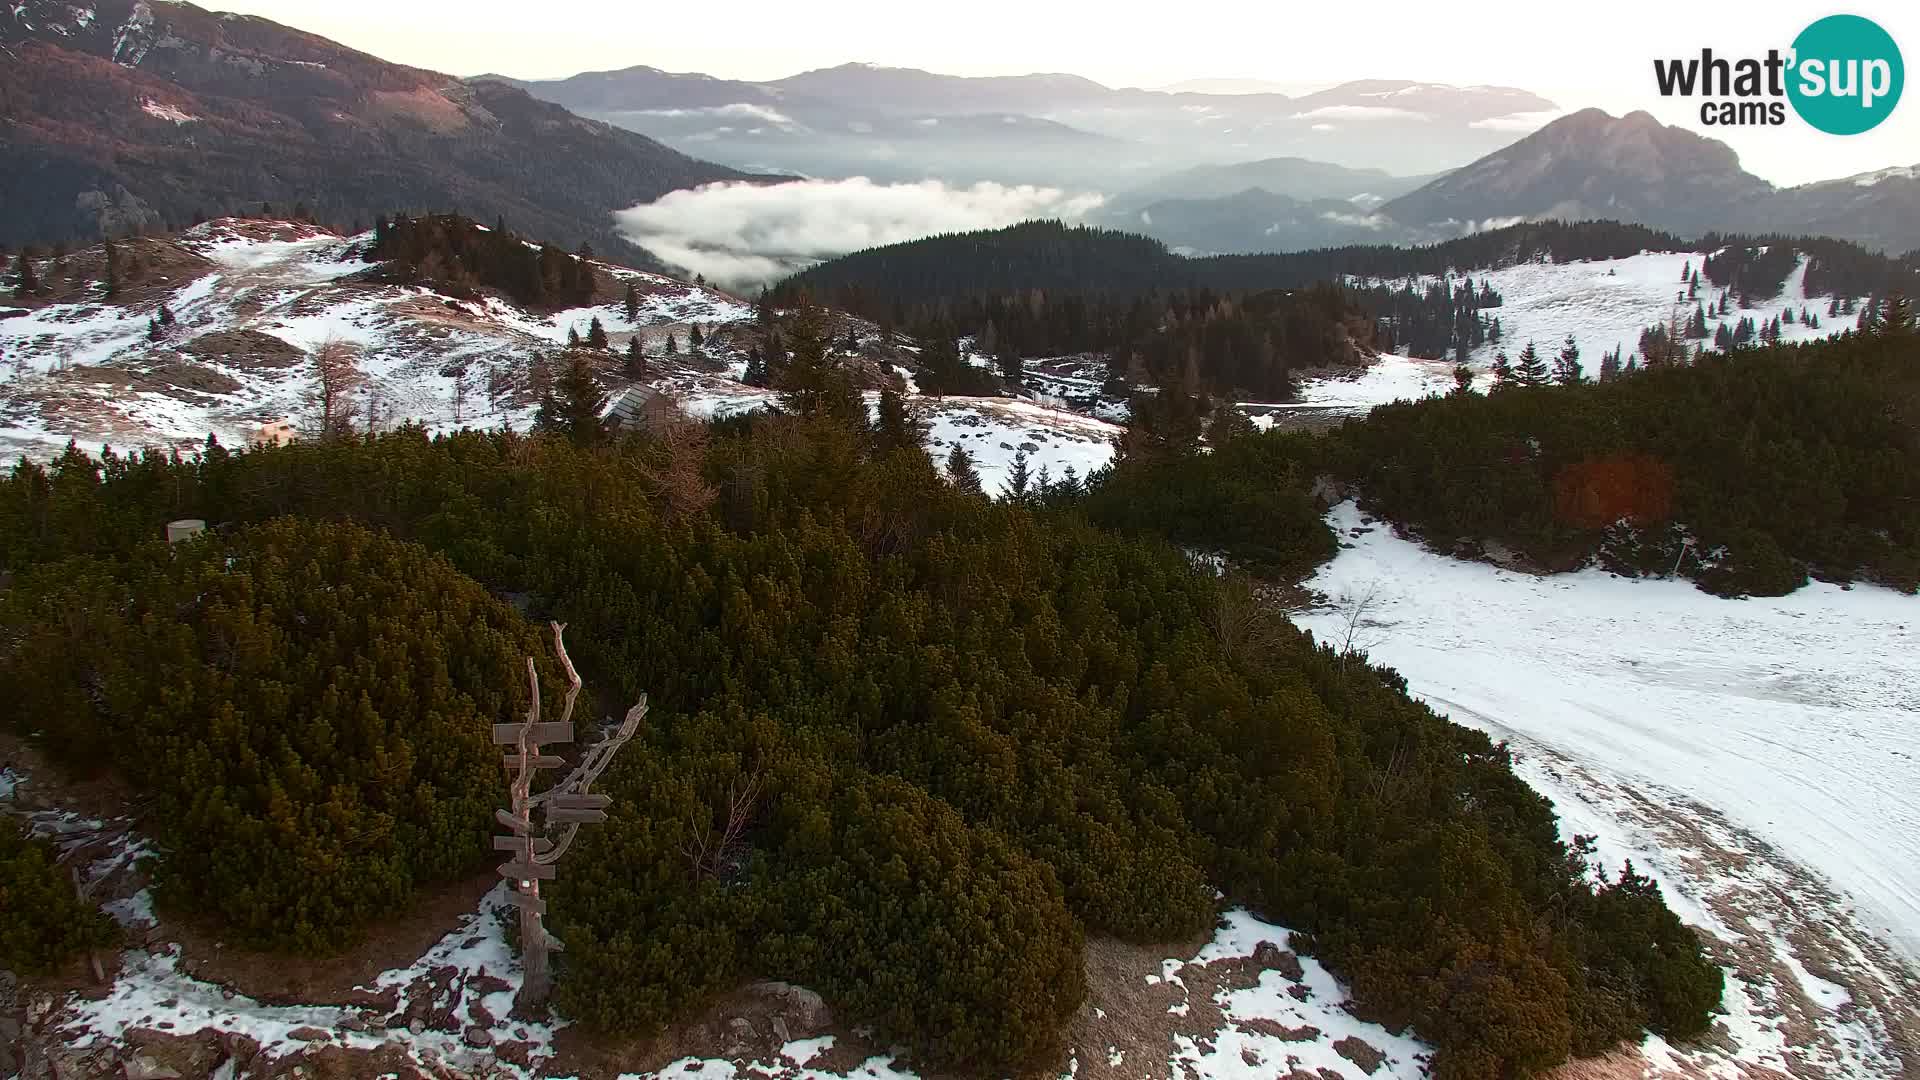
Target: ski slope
[1760,757]
[1605,304]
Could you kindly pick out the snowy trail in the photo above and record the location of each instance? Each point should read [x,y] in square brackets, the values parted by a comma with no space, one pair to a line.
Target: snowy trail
[1760,756]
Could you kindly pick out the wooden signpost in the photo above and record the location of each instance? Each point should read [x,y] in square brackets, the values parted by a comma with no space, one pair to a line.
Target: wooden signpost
[531,856]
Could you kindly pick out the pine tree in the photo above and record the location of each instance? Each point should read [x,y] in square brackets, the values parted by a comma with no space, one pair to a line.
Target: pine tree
[1462,379]
[29,281]
[572,407]
[1610,365]
[961,473]
[897,428]
[673,344]
[813,383]
[573,337]
[1531,369]
[695,339]
[597,335]
[1019,479]
[636,367]
[1896,316]
[1012,367]
[633,304]
[1503,374]
[1786,317]
[1686,270]
[1566,366]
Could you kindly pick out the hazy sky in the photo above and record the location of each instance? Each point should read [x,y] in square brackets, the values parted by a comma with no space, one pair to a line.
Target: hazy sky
[1589,54]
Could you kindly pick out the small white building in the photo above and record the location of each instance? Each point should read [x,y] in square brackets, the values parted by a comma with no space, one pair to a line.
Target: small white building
[276,433]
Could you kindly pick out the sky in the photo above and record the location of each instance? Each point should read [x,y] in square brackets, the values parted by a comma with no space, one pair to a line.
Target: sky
[1577,55]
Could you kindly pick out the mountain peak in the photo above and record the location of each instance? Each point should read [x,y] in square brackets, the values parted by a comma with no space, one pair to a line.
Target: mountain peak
[1590,164]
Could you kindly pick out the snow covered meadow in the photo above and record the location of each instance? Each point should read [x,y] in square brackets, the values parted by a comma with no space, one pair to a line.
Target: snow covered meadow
[1759,758]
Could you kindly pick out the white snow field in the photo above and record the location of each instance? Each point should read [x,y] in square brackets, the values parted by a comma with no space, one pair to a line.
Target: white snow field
[1761,758]
[1605,303]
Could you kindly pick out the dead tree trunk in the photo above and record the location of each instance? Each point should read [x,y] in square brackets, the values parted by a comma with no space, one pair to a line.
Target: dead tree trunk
[534,852]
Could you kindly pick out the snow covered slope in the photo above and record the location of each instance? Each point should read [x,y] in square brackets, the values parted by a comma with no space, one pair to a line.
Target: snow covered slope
[253,299]
[1759,757]
[1605,303]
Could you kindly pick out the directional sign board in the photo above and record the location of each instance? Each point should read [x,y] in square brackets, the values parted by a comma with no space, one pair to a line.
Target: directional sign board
[509,734]
[524,871]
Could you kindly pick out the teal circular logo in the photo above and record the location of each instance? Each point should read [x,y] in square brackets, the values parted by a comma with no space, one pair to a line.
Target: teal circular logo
[1847,75]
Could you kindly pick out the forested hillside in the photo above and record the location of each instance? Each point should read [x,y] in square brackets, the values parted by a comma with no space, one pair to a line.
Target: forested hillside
[122,116]
[959,736]
[1056,258]
[1749,471]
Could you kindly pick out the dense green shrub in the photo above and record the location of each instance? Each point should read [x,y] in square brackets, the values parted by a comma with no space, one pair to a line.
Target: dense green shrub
[308,705]
[959,736]
[1247,499]
[43,924]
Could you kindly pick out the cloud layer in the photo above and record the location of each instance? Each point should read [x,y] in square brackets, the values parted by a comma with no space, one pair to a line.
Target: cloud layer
[742,235]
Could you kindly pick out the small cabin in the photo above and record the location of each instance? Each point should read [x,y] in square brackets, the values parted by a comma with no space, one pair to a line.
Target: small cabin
[636,408]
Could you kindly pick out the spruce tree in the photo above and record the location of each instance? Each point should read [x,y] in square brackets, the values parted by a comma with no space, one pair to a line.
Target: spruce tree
[1012,367]
[896,427]
[1503,373]
[572,407]
[695,339]
[1019,479]
[1610,365]
[961,473]
[673,344]
[1566,366]
[596,334]
[1531,369]
[1462,379]
[813,383]
[573,337]
[29,281]
[636,359]
[633,304]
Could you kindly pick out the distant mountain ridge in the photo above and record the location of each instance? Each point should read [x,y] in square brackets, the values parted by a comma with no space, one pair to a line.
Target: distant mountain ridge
[1634,168]
[887,123]
[1590,165]
[129,114]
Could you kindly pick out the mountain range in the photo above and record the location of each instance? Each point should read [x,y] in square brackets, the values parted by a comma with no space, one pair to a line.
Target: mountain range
[128,114]
[895,124]
[1585,166]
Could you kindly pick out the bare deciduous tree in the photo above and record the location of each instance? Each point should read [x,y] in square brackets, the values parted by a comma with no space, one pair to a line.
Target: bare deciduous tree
[714,850]
[1359,634]
[534,851]
[336,374]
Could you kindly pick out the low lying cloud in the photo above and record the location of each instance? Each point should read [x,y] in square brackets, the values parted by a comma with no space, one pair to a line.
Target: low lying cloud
[743,111]
[1359,112]
[1523,123]
[742,235]
[1357,221]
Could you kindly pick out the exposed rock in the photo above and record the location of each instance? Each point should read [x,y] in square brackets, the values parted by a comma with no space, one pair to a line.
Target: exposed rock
[309,1034]
[804,1012]
[416,1025]
[143,1067]
[478,1037]
[1361,1053]
[740,1037]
